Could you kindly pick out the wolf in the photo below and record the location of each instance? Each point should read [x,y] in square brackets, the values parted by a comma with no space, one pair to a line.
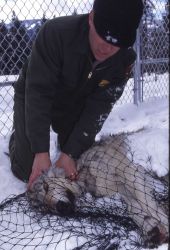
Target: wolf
[104,170]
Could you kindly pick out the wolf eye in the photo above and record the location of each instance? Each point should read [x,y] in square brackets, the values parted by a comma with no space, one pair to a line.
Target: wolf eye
[45,186]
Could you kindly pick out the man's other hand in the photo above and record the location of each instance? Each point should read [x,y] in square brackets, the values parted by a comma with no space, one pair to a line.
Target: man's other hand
[69,166]
[41,163]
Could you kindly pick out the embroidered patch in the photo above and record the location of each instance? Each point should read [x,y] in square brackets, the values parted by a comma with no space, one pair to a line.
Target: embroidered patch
[103,83]
[109,38]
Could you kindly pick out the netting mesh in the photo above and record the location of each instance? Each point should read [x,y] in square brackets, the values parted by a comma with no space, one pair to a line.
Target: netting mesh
[25,228]
[115,204]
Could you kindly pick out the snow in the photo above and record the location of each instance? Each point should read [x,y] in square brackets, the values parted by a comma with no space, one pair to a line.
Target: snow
[150,120]
[147,125]
[154,86]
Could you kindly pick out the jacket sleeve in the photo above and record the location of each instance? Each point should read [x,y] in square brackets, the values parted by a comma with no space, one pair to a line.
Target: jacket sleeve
[41,81]
[97,108]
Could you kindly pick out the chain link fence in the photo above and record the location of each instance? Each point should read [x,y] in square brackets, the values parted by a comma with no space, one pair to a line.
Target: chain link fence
[20,21]
[153,50]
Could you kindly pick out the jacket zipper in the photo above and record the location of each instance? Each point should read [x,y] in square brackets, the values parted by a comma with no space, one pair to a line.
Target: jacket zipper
[93,64]
[90,75]
[95,68]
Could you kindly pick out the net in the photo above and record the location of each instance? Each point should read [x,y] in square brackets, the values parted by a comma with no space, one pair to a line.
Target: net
[120,207]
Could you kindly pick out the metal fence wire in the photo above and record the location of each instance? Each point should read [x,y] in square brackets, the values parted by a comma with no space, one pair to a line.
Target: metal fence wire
[20,20]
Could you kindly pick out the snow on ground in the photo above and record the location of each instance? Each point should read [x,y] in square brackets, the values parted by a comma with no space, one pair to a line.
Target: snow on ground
[150,120]
[154,85]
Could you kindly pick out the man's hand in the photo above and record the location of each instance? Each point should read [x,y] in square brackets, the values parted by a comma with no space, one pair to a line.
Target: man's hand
[41,163]
[69,165]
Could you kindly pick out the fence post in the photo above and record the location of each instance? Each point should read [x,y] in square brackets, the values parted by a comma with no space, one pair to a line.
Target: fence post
[137,71]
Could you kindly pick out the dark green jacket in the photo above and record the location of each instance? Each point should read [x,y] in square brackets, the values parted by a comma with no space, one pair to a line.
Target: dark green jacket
[65,89]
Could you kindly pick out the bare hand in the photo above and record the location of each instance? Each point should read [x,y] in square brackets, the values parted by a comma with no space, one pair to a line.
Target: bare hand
[69,166]
[41,163]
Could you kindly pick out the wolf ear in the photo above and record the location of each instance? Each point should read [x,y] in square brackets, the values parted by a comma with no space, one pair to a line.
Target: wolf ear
[56,172]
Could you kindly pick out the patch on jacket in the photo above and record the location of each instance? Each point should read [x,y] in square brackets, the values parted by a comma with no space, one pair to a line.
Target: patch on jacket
[103,83]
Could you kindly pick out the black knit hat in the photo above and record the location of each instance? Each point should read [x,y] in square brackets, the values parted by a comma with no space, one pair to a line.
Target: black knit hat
[116,21]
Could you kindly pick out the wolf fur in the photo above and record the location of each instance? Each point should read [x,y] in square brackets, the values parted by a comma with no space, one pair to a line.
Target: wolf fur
[104,170]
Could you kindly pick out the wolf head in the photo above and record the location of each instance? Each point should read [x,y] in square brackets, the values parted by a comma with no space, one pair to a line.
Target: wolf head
[55,191]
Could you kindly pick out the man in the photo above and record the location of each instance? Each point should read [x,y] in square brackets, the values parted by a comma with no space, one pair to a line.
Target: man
[77,70]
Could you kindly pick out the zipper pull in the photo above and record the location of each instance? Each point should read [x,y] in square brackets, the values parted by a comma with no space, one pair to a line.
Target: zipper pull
[90,75]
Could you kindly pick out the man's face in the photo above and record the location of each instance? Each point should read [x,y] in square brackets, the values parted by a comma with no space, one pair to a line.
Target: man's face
[100,48]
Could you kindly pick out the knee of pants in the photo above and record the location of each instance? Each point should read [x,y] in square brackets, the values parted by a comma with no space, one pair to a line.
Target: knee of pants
[21,168]
[20,171]
[20,155]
